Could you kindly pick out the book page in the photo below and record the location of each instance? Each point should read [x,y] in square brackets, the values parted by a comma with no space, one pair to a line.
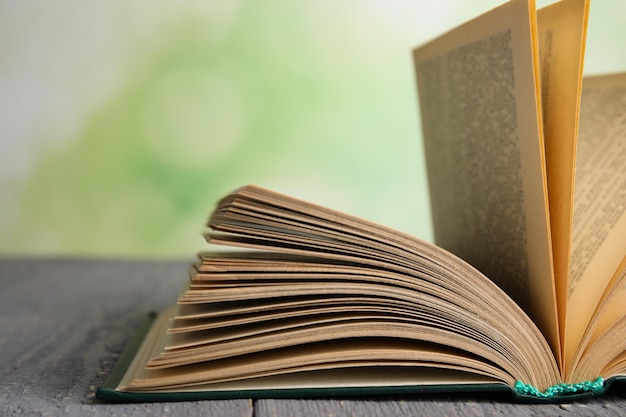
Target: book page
[403,364]
[562,32]
[313,253]
[599,227]
[479,98]
[613,306]
[592,355]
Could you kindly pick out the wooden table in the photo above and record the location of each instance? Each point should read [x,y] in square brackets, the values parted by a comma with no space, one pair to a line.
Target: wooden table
[63,324]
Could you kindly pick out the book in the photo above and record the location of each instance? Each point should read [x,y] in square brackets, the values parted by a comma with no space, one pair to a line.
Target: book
[523,292]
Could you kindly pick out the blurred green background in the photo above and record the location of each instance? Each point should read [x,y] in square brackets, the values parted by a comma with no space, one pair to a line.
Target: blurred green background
[122,122]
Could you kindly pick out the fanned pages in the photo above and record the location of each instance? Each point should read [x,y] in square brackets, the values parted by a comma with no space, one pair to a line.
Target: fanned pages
[523,291]
[316,290]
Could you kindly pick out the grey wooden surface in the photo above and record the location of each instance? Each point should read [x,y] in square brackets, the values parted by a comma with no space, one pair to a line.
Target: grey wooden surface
[63,323]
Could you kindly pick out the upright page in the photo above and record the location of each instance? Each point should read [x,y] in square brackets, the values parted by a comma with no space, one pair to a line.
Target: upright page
[480,103]
[599,227]
[562,33]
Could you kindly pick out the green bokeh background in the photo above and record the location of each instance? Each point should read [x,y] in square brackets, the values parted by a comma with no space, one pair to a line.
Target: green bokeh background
[123,121]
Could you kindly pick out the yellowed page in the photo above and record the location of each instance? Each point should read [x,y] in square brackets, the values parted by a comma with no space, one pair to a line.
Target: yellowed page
[562,32]
[614,309]
[609,311]
[418,276]
[617,367]
[479,98]
[313,366]
[599,227]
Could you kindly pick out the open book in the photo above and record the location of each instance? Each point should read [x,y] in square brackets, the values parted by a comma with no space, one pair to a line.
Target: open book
[524,291]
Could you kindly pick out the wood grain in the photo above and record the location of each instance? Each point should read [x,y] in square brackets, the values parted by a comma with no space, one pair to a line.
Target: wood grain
[63,324]
[461,406]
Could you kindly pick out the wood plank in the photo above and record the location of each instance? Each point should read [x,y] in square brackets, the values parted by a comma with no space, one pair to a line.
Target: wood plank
[63,324]
[438,405]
